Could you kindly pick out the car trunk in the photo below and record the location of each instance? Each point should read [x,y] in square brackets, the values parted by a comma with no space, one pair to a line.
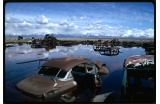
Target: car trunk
[36,85]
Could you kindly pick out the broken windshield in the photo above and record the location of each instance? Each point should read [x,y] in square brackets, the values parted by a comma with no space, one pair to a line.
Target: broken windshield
[52,71]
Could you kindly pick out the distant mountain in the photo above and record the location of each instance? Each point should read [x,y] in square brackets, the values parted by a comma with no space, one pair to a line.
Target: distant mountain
[71,36]
[24,36]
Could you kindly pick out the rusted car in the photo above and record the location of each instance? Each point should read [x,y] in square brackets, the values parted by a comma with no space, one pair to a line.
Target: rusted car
[61,75]
[49,40]
[138,84]
[36,44]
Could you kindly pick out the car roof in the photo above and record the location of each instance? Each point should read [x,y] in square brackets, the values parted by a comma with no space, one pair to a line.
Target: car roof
[66,63]
[139,59]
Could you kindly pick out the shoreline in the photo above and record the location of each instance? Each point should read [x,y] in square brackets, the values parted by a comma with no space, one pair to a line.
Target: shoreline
[14,40]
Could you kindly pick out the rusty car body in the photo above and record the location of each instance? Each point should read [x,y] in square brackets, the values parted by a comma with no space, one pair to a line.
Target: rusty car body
[61,75]
[36,44]
[47,41]
[50,40]
[138,84]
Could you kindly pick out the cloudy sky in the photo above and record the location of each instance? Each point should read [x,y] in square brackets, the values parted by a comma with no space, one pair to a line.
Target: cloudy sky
[120,19]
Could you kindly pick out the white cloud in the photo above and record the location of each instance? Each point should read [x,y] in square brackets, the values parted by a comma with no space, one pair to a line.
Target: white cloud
[64,23]
[13,20]
[25,24]
[139,33]
[150,32]
[84,18]
[97,22]
[42,19]
[97,28]
[76,18]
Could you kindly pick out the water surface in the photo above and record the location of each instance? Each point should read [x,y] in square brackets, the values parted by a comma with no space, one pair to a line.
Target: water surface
[16,72]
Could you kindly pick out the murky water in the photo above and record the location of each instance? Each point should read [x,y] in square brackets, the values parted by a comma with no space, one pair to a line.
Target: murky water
[16,72]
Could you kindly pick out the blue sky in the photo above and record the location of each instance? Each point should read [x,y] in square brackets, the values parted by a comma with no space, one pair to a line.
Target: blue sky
[123,19]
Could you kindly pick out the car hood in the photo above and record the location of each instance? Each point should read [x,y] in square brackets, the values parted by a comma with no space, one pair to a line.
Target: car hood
[36,85]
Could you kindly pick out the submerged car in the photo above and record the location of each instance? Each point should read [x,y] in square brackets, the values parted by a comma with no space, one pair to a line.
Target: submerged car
[36,44]
[61,75]
[138,84]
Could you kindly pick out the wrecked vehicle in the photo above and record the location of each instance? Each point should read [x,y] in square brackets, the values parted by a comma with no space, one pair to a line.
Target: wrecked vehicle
[36,44]
[61,75]
[138,84]
[107,50]
[19,38]
[87,74]
[106,97]
[49,40]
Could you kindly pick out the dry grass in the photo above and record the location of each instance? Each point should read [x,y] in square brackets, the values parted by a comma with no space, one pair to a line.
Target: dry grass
[7,40]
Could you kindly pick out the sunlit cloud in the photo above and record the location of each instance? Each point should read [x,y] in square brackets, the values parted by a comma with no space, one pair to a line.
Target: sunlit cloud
[42,19]
[103,21]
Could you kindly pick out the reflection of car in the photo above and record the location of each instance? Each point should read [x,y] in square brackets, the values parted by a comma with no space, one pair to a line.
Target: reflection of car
[138,79]
[29,41]
[37,44]
[107,50]
[10,45]
[54,77]
[47,48]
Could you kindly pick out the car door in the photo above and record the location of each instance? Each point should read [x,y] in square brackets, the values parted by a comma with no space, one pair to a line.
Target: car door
[78,73]
[92,79]
[84,75]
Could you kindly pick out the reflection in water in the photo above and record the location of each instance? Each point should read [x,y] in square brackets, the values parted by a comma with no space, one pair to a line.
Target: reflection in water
[107,49]
[49,47]
[109,53]
[16,72]
[20,43]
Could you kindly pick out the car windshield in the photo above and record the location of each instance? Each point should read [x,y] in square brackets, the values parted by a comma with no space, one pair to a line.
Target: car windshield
[52,71]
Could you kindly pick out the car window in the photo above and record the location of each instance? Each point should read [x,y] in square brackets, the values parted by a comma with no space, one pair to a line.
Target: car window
[79,68]
[89,68]
[70,75]
[52,71]
[62,74]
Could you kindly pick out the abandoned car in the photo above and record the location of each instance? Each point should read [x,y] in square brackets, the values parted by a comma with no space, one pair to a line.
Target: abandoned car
[36,44]
[61,75]
[138,84]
